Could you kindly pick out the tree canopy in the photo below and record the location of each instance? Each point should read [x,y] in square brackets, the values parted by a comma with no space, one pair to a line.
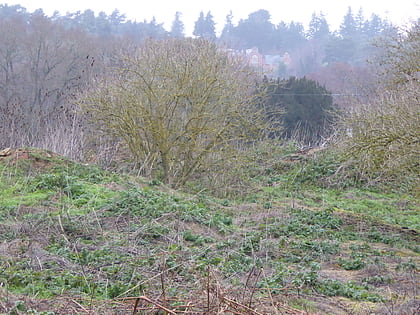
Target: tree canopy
[176,102]
[204,27]
[302,106]
[177,29]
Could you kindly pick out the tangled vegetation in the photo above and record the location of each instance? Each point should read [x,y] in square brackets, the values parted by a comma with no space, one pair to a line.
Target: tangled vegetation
[380,138]
[76,239]
[259,227]
[180,106]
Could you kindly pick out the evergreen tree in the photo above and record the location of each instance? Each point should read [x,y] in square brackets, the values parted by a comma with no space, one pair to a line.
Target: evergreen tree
[103,25]
[348,27]
[257,31]
[88,21]
[116,19]
[375,26]
[302,106]
[360,20]
[177,29]
[339,49]
[205,27]
[199,26]
[288,37]
[318,27]
[154,30]
[210,27]
[7,12]
[281,37]
[228,30]
[352,45]
[296,35]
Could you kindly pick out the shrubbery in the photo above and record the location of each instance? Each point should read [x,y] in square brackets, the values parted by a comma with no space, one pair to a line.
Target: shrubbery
[380,139]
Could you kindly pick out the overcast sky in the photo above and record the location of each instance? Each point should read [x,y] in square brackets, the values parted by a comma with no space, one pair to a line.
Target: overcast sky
[399,12]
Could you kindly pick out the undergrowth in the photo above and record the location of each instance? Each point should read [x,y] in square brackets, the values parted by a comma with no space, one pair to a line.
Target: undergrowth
[72,231]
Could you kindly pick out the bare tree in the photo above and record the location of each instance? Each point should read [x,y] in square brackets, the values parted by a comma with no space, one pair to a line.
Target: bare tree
[42,66]
[11,59]
[381,138]
[175,103]
[400,60]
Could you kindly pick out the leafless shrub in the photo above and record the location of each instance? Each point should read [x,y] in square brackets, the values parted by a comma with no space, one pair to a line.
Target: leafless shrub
[380,139]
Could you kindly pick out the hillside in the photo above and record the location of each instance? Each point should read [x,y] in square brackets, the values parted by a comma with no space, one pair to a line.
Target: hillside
[76,239]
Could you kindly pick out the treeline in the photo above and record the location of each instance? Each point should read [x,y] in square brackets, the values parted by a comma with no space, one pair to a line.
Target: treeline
[317,52]
[319,43]
[46,61]
[50,66]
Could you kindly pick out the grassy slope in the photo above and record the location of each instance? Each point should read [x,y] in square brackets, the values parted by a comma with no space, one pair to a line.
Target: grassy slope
[74,238]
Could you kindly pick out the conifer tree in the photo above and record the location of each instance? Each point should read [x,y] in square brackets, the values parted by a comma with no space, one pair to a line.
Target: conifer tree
[228,29]
[348,27]
[177,29]
[302,106]
[318,27]
[205,27]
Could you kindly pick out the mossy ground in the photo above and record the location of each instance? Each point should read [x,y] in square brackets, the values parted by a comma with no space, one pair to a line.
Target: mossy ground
[77,239]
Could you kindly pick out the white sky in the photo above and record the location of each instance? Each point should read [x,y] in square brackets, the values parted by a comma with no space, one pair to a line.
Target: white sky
[399,12]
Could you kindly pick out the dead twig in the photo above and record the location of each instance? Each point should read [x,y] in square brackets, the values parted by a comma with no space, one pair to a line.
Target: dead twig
[253,288]
[81,306]
[208,289]
[136,304]
[162,280]
[145,298]
[240,305]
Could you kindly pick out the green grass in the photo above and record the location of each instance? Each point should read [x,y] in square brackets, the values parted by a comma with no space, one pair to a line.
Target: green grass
[399,209]
[79,232]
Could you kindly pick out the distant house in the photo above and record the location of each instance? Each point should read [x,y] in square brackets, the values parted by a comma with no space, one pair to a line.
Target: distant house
[267,64]
[272,63]
[254,57]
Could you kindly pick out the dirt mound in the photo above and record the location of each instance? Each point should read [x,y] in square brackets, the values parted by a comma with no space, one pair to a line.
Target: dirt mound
[33,158]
